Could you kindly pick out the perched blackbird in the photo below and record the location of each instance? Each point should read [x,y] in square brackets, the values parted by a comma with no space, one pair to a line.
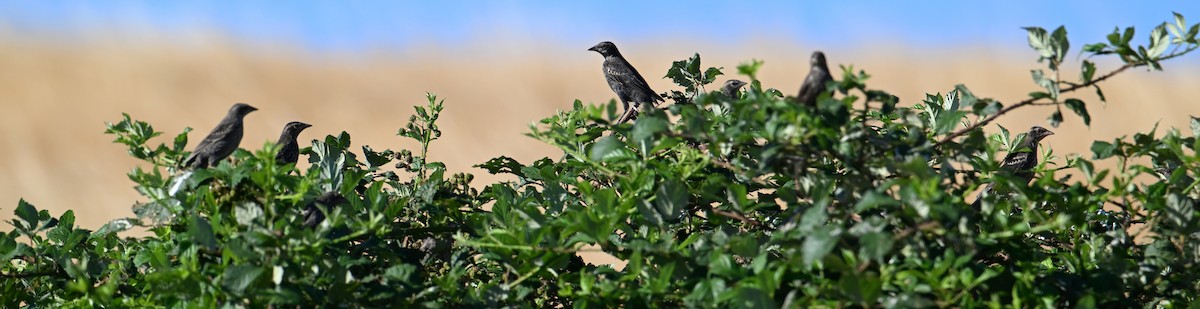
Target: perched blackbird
[313,215]
[289,151]
[1020,163]
[630,87]
[223,139]
[732,87]
[814,84]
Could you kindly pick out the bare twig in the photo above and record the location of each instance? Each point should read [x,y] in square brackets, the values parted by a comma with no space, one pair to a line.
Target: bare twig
[32,274]
[734,215]
[927,226]
[735,169]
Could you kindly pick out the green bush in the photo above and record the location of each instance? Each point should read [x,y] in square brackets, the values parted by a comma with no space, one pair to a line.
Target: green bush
[713,202]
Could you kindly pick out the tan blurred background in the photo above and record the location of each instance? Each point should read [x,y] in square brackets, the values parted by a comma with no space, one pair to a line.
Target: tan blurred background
[58,98]
[58,93]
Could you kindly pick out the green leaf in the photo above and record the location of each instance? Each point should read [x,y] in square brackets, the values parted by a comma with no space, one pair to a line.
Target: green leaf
[1039,95]
[330,159]
[1087,72]
[1180,209]
[1127,36]
[1055,119]
[181,140]
[239,277]
[607,147]
[861,288]
[202,232]
[813,217]
[67,219]
[1060,43]
[1039,41]
[402,273]
[1095,48]
[1158,41]
[871,200]
[1102,150]
[114,226]
[1195,123]
[27,213]
[1114,38]
[246,213]
[161,212]
[686,73]
[375,159]
[818,244]
[1080,109]
[1051,87]
[711,74]
[10,248]
[876,245]
[647,127]
[750,69]
[652,215]
[1180,22]
[670,199]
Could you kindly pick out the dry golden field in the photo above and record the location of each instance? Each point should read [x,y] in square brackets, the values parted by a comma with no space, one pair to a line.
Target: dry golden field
[58,95]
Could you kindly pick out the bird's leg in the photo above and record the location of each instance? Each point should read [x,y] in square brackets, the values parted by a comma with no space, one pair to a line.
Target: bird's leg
[629,114]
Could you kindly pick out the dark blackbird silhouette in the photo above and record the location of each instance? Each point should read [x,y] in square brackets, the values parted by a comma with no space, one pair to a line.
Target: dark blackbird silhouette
[313,215]
[630,87]
[289,151]
[814,84]
[732,87]
[223,139]
[1020,163]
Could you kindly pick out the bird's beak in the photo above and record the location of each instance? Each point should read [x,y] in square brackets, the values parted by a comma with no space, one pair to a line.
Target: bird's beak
[593,49]
[306,126]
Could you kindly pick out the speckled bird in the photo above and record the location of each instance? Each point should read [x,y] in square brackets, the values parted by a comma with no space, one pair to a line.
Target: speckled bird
[313,215]
[815,83]
[732,87]
[1020,162]
[625,81]
[289,150]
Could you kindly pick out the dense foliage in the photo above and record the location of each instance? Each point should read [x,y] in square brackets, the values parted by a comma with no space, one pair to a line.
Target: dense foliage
[713,201]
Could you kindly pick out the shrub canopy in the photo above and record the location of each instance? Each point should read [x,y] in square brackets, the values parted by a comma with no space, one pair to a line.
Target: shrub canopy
[713,201]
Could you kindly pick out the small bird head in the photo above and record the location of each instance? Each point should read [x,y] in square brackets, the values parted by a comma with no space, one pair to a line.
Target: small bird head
[1037,133]
[817,59]
[241,109]
[294,128]
[605,48]
[732,86]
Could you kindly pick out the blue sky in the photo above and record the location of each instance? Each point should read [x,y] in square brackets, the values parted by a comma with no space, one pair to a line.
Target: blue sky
[359,25]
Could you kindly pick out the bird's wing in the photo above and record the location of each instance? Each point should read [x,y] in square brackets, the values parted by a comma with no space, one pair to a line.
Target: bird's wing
[218,134]
[814,85]
[1019,161]
[616,81]
[621,72]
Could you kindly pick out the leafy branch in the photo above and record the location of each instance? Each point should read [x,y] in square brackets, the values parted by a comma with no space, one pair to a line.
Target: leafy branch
[1055,47]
